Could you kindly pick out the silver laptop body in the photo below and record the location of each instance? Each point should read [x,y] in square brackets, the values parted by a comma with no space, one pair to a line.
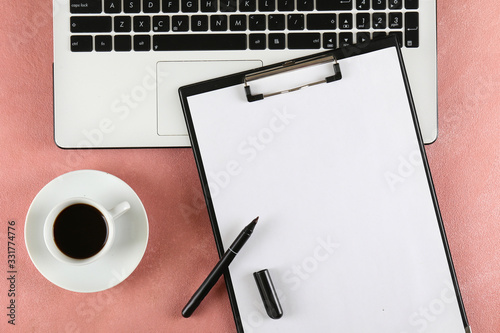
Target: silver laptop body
[119,63]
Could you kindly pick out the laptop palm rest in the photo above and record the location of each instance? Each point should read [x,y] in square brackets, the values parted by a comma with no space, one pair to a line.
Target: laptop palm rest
[171,75]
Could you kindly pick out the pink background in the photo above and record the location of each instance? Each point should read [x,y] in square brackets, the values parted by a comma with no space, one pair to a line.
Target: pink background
[464,162]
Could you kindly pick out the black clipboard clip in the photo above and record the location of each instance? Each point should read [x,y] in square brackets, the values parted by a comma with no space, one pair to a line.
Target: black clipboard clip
[289,66]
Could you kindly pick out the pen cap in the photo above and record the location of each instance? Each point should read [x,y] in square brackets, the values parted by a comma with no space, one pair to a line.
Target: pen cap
[268,294]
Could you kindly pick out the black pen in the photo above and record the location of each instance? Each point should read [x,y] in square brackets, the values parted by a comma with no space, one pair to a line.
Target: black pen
[219,269]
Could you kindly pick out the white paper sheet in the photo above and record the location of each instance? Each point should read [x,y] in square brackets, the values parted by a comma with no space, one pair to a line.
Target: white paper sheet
[348,227]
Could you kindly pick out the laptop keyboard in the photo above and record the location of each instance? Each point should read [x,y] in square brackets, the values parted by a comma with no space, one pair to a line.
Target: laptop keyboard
[204,25]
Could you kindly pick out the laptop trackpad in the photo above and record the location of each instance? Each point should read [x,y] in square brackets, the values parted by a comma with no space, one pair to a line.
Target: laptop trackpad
[170,75]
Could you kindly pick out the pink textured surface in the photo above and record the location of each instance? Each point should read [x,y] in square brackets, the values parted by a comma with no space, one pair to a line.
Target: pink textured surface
[464,161]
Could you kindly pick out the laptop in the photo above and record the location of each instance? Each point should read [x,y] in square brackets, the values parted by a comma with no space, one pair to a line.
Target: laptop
[118,64]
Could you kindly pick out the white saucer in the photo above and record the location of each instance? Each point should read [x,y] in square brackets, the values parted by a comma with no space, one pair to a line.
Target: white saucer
[132,231]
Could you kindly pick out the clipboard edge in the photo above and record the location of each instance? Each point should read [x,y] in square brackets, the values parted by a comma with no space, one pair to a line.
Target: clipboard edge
[211,213]
[432,191]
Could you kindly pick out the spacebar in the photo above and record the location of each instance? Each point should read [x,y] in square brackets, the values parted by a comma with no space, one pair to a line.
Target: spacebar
[193,42]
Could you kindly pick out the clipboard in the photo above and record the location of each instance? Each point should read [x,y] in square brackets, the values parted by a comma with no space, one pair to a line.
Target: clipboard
[327,151]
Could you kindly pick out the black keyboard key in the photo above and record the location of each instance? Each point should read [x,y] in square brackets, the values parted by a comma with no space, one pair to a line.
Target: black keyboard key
[218,23]
[345,21]
[199,23]
[411,4]
[362,37]
[399,37]
[227,6]
[238,22]
[267,5]
[345,38]
[161,23]
[329,40]
[132,6]
[379,21]
[286,5]
[257,22]
[180,23]
[122,24]
[379,34]
[257,41]
[123,43]
[90,24]
[103,43]
[362,4]
[305,5]
[142,43]
[170,6]
[208,6]
[395,20]
[189,6]
[379,4]
[363,21]
[276,22]
[333,4]
[151,6]
[295,21]
[304,41]
[202,42]
[277,41]
[411,29]
[85,6]
[142,23]
[81,43]
[112,6]
[248,5]
[395,4]
[321,21]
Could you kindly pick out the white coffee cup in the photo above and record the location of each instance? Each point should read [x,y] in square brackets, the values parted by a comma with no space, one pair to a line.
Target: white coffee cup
[65,227]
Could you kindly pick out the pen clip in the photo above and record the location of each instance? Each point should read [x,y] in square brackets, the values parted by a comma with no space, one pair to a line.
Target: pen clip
[290,66]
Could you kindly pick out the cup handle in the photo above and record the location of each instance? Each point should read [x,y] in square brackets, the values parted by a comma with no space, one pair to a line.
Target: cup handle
[119,209]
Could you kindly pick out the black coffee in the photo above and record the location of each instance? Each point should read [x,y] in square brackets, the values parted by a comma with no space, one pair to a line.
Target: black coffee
[80,231]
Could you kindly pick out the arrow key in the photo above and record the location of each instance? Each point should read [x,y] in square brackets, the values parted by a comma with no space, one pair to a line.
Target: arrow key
[329,40]
[345,21]
[345,38]
[363,38]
